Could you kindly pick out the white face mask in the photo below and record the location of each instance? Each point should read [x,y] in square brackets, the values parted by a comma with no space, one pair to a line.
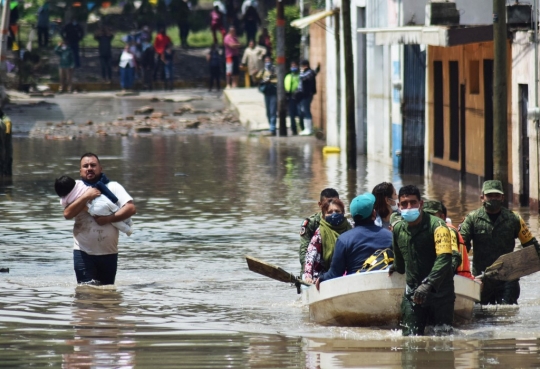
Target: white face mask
[395,205]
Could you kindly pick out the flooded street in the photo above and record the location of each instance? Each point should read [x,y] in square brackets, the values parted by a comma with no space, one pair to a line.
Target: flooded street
[184,296]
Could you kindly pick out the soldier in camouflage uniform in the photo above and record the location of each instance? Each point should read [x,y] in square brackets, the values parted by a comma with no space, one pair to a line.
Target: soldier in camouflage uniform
[493,230]
[310,225]
[422,249]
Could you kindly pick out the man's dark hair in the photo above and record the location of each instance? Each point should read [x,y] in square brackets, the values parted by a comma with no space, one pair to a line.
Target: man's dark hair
[64,185]
[359,220]
[89,155]
[329,193]
[408,191]
[304,63]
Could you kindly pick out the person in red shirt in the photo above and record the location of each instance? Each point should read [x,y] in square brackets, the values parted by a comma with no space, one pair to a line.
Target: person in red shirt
[160,44]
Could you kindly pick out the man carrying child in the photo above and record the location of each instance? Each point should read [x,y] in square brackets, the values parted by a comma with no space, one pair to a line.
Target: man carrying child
[95,249]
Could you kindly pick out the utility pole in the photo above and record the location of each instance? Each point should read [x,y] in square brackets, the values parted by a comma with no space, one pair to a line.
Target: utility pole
[349,84]
[500,98]
[280,61]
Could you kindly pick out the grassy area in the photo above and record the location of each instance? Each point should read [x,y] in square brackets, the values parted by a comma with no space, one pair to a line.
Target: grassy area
[199,39]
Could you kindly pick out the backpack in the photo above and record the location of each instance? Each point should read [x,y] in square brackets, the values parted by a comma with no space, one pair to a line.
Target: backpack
[380,260]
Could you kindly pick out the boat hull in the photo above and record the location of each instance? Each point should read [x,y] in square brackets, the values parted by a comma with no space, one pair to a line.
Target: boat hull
[374,299]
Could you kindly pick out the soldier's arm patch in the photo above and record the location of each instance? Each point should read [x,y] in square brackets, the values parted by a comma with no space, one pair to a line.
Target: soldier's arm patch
[303,226]
[443,241]
[524,234]
[454,240]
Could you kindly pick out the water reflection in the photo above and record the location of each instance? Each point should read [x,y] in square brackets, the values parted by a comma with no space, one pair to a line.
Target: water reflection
[100,337]
[184,296]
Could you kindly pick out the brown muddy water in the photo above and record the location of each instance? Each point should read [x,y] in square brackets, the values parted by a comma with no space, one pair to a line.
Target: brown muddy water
[184,297]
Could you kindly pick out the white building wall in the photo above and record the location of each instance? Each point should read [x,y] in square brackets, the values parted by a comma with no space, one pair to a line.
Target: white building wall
[383,109]
[523,73]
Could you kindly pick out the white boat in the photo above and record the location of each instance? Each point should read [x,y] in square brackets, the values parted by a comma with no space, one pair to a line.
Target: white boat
[374,298]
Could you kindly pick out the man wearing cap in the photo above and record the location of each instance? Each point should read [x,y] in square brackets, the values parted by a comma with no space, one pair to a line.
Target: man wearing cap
[492,229]
[310,225]
[355,246]
[422,250]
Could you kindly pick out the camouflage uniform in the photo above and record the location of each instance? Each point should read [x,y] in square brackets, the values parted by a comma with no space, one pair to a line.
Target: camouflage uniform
[491,240]
[307,230]
[434,207]
[424,253]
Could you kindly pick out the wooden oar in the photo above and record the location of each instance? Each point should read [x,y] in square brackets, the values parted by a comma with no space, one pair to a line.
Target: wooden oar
[274,272]
[514,265]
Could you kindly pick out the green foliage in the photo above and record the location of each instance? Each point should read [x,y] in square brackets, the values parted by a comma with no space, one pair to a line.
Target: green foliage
[292,35]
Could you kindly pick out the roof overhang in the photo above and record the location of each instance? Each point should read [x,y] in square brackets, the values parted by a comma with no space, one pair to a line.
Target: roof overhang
[306,21]
[430,35]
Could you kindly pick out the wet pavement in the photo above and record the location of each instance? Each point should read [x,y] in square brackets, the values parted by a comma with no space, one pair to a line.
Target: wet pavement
[184,296]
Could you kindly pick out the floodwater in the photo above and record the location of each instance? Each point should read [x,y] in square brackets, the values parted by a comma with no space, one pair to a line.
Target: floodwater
[184,297]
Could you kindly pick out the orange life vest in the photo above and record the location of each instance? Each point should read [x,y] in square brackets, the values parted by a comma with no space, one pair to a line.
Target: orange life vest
[465,268]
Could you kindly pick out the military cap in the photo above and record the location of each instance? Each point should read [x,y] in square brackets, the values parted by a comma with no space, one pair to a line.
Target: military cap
[492,186]
[432,207]
[362,205]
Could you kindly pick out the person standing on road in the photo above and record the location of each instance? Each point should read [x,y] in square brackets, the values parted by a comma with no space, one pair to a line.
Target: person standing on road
[304,94]
[492,229]
[232,62]
[104,38]
[65,66]
[127,69]
[268,87]
[354,247]
[214,67]
[310,224]
[73,33]
[292,80]
[423,251]
[160,44]
[43,25]
[95,254]
[148,64]
[253,58]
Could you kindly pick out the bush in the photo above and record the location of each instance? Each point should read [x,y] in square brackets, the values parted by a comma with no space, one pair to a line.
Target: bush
[292,35]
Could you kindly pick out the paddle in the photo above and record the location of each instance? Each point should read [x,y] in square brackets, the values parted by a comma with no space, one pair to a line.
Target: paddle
[274,272]
[509,267]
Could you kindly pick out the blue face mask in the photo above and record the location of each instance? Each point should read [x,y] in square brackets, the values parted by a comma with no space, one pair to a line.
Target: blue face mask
[410,215]
[335,219]
[267,65]
[294,70]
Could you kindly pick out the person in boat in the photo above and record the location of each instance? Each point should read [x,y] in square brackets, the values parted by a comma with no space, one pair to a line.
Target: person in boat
[460,257]
[354,247]
[423,252]
[310,225]
[491,230]
[321,247]
[386,203]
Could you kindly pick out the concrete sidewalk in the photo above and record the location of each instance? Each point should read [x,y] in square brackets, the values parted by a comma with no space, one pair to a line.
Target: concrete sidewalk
[249,105]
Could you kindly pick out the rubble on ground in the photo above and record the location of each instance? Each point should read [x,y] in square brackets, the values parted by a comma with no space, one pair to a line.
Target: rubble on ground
[145,121]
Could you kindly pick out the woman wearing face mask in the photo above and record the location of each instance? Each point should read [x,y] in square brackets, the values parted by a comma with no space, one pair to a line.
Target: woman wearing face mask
[386,203]
[321,248]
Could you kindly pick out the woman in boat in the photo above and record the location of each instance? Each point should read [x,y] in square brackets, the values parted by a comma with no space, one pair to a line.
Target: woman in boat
[321,247]
[386,203]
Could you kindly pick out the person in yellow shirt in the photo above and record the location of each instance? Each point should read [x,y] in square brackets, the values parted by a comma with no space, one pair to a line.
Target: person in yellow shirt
[291,85]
